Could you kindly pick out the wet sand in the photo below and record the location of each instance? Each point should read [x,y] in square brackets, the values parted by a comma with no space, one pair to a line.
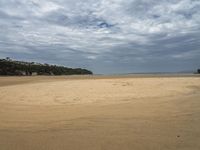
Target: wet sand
[100,113]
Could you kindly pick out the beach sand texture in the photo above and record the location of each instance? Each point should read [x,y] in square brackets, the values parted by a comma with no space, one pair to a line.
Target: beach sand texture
[100,113]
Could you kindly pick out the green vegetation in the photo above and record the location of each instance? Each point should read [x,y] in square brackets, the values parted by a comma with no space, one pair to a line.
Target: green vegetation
[10,67]
[198,71]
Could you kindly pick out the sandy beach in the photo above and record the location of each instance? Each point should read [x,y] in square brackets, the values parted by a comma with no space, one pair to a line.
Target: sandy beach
[100,113]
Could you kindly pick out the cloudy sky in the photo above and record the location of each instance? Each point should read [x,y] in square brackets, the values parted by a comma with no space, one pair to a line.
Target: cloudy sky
[105,36]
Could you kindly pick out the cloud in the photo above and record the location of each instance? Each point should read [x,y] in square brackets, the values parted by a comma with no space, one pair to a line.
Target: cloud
[107,36]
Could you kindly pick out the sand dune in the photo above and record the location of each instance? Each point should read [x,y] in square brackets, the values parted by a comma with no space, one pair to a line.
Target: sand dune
[100,113]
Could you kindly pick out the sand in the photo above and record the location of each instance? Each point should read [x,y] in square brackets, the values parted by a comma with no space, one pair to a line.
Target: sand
[100,113]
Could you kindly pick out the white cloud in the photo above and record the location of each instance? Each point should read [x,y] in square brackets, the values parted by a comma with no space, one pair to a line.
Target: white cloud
[102,27]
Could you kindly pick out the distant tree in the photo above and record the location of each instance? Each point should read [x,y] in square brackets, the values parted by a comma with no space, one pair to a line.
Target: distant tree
[11,67]
[198,71]
[8,58]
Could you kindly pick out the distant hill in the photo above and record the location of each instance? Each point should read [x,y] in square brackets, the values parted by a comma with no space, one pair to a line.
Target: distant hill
[10,67]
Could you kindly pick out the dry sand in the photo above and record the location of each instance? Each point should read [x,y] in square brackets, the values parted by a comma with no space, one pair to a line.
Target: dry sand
[100,113]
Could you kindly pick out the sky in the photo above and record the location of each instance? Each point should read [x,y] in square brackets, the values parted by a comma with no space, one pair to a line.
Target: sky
[105,36]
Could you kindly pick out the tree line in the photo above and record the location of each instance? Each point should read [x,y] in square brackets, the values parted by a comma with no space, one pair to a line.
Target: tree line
[10,67]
